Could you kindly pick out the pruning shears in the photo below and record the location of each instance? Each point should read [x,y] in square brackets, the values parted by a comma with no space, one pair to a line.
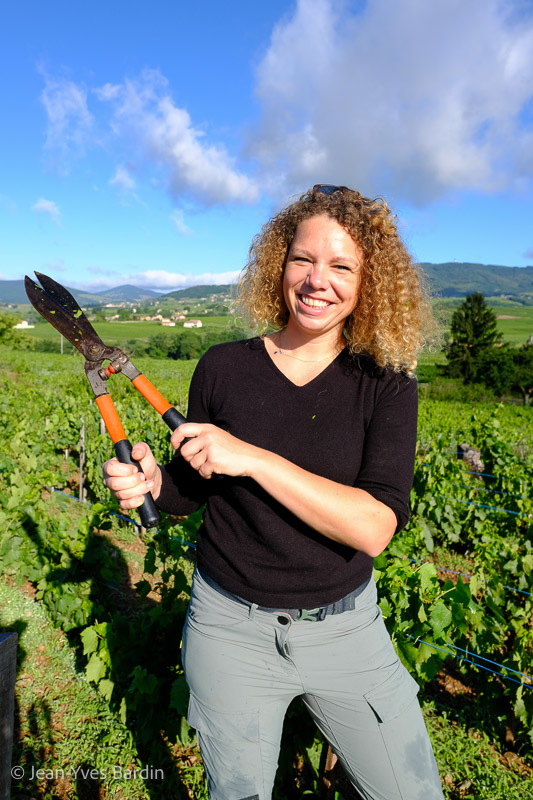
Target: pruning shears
[59,308]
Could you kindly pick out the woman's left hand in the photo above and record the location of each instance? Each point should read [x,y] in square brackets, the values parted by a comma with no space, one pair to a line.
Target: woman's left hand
[212,450]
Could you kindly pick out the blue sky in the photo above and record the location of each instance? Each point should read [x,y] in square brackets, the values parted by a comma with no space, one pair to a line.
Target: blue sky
[147,143]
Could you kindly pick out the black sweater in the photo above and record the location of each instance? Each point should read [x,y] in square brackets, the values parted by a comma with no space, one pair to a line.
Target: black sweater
[354,423]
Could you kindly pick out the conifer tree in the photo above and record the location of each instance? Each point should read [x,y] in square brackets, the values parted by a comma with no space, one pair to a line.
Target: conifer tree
[473,333]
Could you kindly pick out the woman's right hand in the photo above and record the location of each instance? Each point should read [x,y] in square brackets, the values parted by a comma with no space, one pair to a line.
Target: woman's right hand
[128,483]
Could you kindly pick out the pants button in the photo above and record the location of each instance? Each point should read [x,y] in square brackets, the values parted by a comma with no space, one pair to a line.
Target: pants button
[283,620]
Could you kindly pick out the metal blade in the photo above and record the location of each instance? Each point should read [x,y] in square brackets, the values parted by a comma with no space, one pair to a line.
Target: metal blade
[59,308]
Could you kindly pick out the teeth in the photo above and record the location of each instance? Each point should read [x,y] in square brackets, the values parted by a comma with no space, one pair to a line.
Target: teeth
[310,301]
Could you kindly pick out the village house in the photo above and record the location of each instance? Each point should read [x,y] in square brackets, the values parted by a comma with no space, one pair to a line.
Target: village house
[23,326]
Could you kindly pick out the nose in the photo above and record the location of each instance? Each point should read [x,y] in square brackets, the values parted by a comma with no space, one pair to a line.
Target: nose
[317,276]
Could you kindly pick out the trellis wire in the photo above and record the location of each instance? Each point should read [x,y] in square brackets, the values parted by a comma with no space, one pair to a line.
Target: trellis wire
[463,658]
[464,574]
[429,644]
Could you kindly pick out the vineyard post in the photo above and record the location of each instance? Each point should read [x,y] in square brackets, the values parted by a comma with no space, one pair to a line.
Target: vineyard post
[82,492]
[8,666]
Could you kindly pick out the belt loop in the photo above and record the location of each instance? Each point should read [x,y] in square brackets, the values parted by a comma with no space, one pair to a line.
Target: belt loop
[252,610]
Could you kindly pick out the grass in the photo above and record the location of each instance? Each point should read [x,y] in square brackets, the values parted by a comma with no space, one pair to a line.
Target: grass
[170,377]
[470,766]
[515,323]
[116,333]
[63,727]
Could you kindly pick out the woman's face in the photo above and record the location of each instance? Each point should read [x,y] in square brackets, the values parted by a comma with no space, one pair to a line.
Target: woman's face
[322,276]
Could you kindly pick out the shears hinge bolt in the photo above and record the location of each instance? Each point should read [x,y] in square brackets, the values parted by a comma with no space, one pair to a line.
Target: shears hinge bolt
[112,369]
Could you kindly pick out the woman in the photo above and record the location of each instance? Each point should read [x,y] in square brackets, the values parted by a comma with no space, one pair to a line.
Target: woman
[313,428]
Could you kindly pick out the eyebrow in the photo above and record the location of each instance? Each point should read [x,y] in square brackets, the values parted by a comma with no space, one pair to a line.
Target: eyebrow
[301,251]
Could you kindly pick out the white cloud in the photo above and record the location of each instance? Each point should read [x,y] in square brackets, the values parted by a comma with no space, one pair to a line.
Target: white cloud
[146,117]
[179,221]
[413,98]
[49,208]
[122,179]
[69,120]
[157,279]
[141,118]
[108,91]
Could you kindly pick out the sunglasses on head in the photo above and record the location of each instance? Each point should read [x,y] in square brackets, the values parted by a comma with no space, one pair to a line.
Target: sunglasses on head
[329,189]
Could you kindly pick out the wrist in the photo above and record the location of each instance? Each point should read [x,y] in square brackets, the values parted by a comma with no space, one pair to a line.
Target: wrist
[258,463]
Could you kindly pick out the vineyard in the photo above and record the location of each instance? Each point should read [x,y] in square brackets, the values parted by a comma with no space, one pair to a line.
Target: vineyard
[455,586]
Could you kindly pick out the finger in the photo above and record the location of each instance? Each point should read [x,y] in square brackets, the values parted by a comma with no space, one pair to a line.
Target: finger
[201,463]
[133,496]
[127,483]
[191,448]
[134,502]
[114,467]
[140,450]
[178,437]
[189,429]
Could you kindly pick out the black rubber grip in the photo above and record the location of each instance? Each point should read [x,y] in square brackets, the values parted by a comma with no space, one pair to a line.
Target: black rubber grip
[173,418]
[148,512]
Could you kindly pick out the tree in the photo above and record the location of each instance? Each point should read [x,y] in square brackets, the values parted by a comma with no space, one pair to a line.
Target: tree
[7,334]
[496,369]
[504,369]
[11,336]
[523,363]
[473,332]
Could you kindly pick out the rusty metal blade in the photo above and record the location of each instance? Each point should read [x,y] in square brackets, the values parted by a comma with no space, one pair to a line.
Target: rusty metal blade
[61,310]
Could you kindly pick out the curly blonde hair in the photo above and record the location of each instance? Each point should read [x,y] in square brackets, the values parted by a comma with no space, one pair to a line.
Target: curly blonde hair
[392,310]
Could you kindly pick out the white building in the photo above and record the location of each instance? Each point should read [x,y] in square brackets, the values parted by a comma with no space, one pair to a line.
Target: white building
[23,326]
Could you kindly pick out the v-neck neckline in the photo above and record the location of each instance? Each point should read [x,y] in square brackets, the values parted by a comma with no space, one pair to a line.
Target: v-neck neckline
[284,377]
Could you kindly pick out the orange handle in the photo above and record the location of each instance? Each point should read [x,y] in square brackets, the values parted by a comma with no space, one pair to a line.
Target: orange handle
[111,418]
[149,391]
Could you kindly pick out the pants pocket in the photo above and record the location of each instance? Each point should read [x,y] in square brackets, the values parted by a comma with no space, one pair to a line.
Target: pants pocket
[391,698]
[210,609]
[225,726]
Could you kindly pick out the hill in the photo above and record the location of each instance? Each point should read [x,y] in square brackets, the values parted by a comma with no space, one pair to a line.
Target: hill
[201,292]
[14,292]
[127,294]
[452,279]
[459,279]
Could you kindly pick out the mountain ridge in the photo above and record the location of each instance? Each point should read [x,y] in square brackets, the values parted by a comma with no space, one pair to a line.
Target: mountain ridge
[448,279]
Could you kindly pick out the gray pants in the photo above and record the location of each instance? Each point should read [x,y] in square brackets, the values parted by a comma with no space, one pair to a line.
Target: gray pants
[244,666]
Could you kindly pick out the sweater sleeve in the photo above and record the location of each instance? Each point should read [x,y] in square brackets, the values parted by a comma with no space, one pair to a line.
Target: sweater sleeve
[183,491]
[390,444]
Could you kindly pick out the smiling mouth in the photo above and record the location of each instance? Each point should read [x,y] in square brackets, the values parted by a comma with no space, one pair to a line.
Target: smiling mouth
[312,302]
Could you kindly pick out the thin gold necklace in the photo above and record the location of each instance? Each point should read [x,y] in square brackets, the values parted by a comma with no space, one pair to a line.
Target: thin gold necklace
[282,352]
